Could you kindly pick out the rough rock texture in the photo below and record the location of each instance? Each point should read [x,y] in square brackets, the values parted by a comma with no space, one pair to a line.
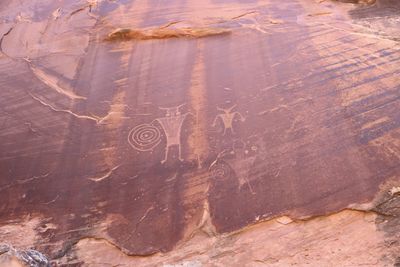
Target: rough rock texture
[12,257]
[202,132]
[337,240]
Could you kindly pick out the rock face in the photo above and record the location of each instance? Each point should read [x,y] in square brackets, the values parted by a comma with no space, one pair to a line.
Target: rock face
[11,257]
[201,133]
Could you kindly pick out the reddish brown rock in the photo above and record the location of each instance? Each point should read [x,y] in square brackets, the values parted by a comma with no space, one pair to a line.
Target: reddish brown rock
[136,126]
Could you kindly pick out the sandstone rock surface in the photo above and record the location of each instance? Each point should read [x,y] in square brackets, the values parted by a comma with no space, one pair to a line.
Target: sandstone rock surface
[201,133]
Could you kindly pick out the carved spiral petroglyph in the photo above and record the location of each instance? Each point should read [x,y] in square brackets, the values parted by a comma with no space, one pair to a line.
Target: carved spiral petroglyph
[220,170]
[144,137]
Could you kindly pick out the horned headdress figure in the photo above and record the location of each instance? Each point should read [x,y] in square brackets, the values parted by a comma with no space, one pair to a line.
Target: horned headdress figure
[227,117]
[145,137]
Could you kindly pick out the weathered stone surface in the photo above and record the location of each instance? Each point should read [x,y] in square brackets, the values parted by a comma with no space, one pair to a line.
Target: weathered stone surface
[139,128]
[348,238]
[11,257]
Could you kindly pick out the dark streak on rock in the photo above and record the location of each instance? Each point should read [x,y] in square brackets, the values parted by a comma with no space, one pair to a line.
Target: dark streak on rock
[2,38]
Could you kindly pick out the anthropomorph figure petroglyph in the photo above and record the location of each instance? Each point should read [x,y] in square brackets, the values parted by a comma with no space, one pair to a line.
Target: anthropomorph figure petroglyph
[146,137]
[227,117]
[172,126]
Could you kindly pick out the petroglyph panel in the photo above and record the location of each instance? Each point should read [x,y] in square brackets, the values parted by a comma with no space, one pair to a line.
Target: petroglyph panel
[227,117]
[144,137]
[172,126]
[291,108]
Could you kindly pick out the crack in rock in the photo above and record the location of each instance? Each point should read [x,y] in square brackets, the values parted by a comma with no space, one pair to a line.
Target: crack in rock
[52,82]
[85,117]
[2,39]
[105,176]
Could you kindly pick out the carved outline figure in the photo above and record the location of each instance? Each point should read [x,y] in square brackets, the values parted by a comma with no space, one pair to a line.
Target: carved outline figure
[227,118]
[172,126]
[146,137]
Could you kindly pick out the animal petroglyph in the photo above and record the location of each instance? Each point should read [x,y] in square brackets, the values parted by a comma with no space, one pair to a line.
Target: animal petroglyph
[238,167]
[237,161]
[228,117]
[146,137]
[244,166]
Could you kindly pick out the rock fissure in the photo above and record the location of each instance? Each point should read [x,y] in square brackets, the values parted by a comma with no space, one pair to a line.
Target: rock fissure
[105,176]
[96,119]
[2,39]
[52,82]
